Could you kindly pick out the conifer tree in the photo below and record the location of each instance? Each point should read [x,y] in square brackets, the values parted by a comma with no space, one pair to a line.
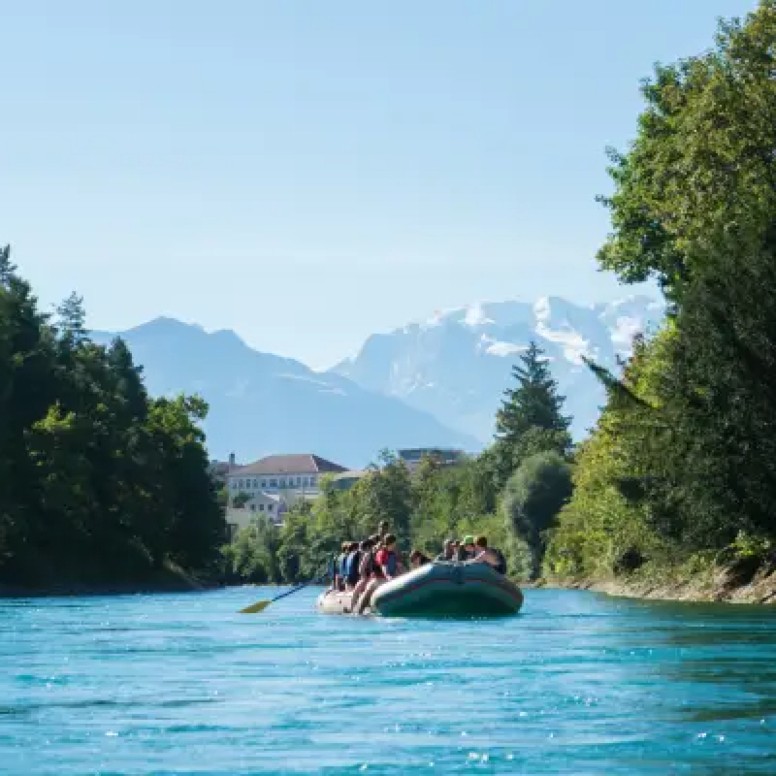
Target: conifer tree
[530,419]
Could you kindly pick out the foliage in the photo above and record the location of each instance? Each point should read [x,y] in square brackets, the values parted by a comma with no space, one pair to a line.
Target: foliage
[683,460]
[533,496]
[100,483]
[529,420]
[435,503]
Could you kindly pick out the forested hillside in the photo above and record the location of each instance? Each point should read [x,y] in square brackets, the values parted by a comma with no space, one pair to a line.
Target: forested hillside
[100,484]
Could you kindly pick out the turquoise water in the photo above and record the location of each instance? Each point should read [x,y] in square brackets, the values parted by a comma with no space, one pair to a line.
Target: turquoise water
[576,684]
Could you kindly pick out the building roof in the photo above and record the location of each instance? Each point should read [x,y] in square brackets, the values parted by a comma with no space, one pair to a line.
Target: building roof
[304,463]
[350,474]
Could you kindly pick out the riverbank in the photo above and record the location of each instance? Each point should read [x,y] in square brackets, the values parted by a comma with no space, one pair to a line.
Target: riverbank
[744,582]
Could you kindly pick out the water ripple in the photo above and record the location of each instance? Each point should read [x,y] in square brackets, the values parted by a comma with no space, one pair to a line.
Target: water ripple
[577,684]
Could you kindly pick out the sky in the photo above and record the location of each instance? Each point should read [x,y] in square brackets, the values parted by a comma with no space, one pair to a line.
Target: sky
[308,173]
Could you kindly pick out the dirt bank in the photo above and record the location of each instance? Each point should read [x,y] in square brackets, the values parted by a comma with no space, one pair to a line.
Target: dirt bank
[740,583]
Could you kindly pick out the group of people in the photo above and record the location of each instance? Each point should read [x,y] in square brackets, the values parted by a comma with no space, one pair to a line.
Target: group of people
[361,567]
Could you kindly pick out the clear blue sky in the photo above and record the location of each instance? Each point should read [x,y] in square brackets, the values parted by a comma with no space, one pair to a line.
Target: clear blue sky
[309,172]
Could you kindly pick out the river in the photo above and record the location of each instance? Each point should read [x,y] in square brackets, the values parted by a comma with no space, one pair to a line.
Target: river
[577,683]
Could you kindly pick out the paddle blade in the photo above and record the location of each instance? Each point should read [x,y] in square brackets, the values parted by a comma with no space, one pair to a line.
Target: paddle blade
[259,606]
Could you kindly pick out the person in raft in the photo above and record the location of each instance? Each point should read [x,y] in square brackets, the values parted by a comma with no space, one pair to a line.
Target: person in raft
[387,565]
[367,567]
[489,555]
[468,550]
[418,559]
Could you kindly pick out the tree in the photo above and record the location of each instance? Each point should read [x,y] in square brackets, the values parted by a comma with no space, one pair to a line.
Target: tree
[100,484]
[240,499]
[530,420]
[7,269]
[72,319]
[532,499]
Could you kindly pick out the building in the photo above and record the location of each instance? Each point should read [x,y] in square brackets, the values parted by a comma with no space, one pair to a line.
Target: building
[272,485]
[347,479]
[440,455]
[292,477]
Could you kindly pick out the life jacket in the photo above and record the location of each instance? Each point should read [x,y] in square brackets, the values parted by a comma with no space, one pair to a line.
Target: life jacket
[351,567]
[342,565]
[373,567]
[391,563]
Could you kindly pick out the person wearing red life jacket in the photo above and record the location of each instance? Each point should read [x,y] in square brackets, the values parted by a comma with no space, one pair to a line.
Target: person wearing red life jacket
[388,567]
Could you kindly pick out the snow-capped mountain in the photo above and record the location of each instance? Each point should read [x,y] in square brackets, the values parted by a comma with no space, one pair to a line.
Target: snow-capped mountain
[456,364]
[262,403]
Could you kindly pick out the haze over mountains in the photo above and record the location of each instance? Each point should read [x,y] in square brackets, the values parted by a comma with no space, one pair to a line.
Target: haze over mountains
[433,383]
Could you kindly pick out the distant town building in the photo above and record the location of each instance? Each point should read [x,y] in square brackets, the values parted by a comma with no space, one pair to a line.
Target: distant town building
[440,455]
[272,485]
[347,479]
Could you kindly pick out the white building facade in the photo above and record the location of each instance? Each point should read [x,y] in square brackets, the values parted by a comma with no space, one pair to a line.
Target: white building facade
[270,486]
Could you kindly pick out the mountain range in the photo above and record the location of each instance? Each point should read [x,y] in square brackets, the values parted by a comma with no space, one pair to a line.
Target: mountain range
[456,364]
[262,403]
[431,383]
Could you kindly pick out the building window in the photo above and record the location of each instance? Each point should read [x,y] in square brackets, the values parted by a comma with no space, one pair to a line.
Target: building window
[273,483]
[253,507]
[312,482]
[282,483]
[242,484]
[261,507]
[298,482]
[263,483]
[269,507]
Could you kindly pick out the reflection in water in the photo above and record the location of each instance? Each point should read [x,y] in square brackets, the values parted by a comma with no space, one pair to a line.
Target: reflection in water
[576,684]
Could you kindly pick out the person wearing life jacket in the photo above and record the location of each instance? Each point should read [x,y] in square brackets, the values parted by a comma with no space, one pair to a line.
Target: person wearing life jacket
[493,557]
[366,565]
[352,563]
[388,567]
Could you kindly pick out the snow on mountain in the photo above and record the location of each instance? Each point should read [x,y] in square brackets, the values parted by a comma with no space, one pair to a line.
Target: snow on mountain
[457,363]
[261,403]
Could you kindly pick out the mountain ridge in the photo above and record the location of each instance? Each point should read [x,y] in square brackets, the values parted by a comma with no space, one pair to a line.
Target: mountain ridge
[456,363]
[262,403]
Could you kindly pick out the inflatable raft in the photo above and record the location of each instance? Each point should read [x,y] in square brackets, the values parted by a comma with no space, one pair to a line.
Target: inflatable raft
[438,589]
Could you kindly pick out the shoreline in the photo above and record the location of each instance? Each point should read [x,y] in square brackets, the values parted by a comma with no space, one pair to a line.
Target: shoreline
[166,581]
[718,585]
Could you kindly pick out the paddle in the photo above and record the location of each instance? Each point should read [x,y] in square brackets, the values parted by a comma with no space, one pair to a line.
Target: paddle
[260,606]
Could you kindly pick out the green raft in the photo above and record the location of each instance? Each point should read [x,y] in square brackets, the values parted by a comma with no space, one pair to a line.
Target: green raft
[443,589]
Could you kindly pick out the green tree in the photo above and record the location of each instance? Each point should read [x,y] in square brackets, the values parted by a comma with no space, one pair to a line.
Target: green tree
[530,419]
[533,496]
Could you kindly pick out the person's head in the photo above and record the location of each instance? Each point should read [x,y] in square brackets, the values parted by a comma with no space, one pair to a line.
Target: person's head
[345,546]
[448,547]
[366,545]
[353,547]
[383,527]
[468,542]
[389,541]
[417,558]
[481,542]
